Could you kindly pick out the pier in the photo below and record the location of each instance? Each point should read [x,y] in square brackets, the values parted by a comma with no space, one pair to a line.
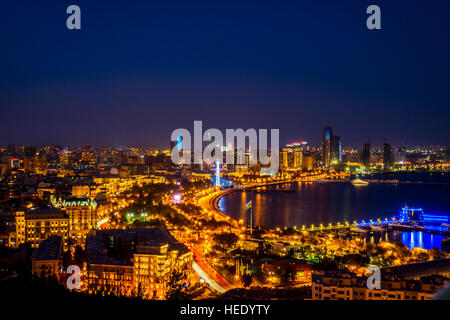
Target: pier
[410,219]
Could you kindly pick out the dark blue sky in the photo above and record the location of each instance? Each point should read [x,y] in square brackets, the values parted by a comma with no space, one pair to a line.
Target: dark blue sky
[139,69]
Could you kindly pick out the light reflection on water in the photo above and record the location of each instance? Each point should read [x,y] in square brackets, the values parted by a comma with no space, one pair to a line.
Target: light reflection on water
[412,240]
[421,240]
[314,203]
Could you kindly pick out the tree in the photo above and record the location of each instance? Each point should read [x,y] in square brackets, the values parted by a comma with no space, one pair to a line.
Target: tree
[286,276]
[402,251]
[435,254]
[79,255]
[355,259]
[260,276]
[247,280]
[177,286]
[226,240]
[326,264]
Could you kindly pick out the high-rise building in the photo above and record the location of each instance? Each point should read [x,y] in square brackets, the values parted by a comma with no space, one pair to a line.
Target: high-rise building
[65,158]
[284,158]
[298,155]
[30,151]
[308,162]
[21,150]
[291,157]
[301,145]
[12,149]
[387,157]
[365,156]
[326,146]
[335,150]
[402,154]
[36,164]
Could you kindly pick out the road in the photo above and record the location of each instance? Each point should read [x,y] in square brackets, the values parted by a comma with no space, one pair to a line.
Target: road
[212,284]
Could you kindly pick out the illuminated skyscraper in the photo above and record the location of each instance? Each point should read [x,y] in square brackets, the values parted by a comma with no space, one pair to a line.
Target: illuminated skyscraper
[12,151]
[335,150]
[365,156]
[298,159]
[387,157]
[402,154]
[326,146]
[65,158]
[284,159]
[291,156]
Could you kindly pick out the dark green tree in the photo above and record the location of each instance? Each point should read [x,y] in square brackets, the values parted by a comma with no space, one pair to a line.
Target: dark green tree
[177,286]
[247,280]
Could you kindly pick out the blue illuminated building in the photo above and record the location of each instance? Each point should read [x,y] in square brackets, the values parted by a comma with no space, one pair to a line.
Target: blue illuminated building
[180,143]
[417,215]
[411,214]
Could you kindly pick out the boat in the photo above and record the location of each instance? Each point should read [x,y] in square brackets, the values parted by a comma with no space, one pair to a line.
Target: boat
[377,228]
[419,227]
[359,230]
[405,226]
[393,224]
[359,182]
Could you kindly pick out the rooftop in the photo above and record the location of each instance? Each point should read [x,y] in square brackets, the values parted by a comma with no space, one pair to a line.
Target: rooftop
[49,249]
[117,246]
[43,213]
[417,270]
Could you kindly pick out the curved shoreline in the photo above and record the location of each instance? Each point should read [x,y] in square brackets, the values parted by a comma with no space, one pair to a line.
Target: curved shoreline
[214,201]
[214,206]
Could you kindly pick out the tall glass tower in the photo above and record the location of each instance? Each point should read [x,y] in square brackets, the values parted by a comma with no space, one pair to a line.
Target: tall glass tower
[326,146]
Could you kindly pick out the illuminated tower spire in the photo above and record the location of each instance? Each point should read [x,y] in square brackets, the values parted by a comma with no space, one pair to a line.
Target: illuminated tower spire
[217,174]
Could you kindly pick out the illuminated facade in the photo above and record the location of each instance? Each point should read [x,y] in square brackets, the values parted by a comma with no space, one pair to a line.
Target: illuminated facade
[365,156]
[308,162]
[113,184]
[65,158]
[153,266]
[20,235]
[82,213]
[351,287]
[335,150]
[291,269]
[34,226]
[35,164]
[140,262]
[417,215]
[81,191]
[291,157]
[110,278]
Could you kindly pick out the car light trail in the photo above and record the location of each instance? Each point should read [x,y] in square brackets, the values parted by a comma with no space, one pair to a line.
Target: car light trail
[208,280]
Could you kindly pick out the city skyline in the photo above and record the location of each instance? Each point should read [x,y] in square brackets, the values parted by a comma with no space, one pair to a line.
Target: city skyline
[374,147]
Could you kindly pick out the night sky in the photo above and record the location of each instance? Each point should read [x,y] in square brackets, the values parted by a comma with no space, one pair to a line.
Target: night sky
[139,69]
